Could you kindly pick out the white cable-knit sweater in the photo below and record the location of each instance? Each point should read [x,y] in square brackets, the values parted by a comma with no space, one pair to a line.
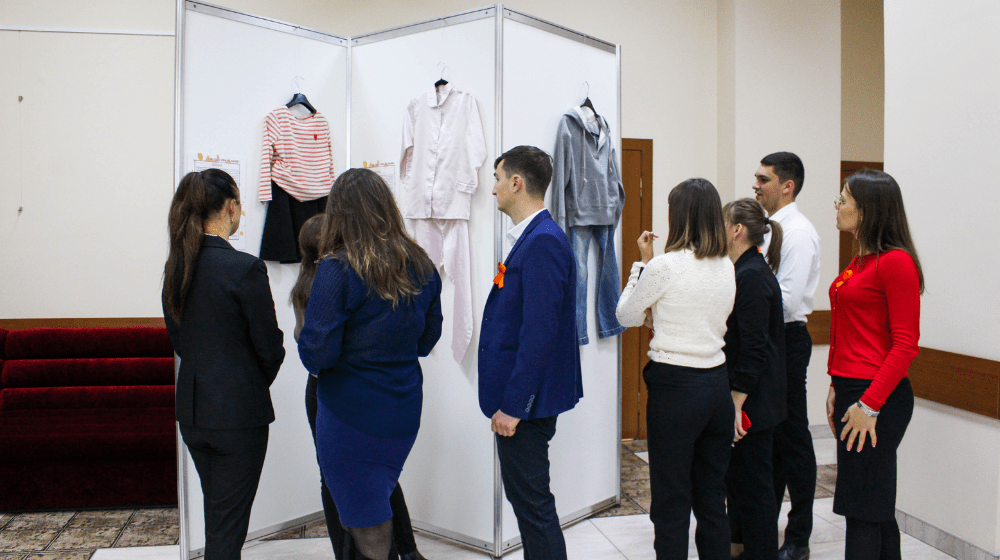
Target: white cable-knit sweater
[691,299]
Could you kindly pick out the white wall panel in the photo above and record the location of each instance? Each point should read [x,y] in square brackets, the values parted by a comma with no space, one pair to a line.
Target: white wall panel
[234,75]
[448,477]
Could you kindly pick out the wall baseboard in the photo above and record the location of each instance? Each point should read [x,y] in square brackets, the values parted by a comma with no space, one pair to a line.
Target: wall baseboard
[940,539]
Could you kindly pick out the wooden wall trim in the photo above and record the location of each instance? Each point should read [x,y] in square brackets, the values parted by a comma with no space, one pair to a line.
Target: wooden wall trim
[957,380]
[11,324]
[818,323]
[964,382]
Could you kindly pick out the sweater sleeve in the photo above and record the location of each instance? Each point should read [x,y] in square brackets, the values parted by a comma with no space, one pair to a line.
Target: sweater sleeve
[641,293]
[898,278]
[562,171]
[322,334]
[267,157]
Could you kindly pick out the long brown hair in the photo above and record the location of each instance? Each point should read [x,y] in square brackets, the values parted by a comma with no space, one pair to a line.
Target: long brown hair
[364,227]
[200,195]
[883,226]
[694,217]
[309,237]
[750,214]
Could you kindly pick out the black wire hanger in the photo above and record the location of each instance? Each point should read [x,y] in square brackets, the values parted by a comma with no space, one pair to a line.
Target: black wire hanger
[299,98]
[442,81]
[587,103]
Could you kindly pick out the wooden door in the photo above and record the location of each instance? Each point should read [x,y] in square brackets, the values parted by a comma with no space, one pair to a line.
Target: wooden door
[848,246]
[637,178]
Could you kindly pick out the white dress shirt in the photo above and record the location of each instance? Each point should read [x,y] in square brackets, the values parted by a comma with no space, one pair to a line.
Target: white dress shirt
[798,273]
[443,149]
[515,233]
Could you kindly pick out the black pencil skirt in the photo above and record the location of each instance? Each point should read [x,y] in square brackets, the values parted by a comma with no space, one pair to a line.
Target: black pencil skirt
[866,481]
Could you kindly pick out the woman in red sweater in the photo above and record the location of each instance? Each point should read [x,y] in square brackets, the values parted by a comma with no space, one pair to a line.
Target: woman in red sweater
[875,308]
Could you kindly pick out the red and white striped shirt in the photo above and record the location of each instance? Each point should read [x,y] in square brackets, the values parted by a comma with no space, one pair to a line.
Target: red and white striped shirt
[296,155]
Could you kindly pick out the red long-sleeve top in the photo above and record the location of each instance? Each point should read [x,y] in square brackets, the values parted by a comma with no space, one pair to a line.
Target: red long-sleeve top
[875,322]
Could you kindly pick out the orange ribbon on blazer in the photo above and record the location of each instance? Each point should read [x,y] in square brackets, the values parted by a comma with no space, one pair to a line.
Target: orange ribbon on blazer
[498,280]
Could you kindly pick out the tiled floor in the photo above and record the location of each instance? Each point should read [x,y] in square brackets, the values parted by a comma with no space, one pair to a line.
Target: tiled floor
[75,535]
[622,532]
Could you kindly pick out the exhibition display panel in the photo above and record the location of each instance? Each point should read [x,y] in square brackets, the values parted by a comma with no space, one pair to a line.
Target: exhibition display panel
[523,75]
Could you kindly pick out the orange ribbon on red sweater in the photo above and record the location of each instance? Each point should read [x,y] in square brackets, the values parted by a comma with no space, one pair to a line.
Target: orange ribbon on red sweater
[498,279]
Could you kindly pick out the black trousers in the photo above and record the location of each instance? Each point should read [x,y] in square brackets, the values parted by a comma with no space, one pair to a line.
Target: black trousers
[753,514]
[794,457]
[689,423]
[524,467]
[403,541]
[229,463]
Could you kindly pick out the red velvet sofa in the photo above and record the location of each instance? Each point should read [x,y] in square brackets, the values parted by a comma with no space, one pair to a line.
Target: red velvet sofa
[86,418]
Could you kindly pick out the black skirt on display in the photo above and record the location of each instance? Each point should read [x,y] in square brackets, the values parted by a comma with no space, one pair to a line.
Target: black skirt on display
[285,216]
[866,481]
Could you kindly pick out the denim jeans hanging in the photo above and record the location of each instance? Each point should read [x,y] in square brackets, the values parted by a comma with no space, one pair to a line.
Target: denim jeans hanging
[608,280]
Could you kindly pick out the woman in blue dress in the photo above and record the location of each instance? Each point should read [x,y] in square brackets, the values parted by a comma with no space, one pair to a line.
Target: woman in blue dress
[374,309]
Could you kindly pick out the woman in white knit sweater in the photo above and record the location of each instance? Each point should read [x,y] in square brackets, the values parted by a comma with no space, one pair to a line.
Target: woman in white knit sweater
[689,290]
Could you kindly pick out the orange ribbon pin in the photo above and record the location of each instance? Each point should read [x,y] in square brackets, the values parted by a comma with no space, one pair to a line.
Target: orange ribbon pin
[498,280]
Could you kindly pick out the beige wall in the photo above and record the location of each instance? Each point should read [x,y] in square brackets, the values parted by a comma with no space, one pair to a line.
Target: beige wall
[942,129]
[863,80]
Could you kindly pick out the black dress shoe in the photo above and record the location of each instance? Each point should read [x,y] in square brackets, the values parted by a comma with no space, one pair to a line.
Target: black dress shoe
[792,552]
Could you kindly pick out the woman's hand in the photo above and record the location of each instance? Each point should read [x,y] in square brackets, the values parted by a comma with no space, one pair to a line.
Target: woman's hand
[738,400]
[645,243]
[648,321]
[858,424]
[829,410]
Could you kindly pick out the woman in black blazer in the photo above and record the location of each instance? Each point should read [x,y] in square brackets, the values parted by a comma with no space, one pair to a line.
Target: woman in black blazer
[755,358]
[220,316]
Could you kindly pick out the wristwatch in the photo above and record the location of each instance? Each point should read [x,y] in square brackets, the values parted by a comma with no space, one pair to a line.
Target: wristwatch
[869,411]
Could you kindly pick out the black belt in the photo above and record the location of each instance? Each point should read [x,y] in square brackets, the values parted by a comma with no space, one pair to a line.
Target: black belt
[795,324]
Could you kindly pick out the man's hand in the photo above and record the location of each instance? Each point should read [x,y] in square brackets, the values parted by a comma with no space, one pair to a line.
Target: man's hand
[503,424]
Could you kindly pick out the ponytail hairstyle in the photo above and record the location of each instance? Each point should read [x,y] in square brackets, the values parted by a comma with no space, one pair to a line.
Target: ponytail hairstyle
[309,238]
[748,213]
[883,226]
[364,227]
[200,195]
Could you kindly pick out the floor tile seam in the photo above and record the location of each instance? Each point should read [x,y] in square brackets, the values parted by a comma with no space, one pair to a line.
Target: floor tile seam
[122,530]
[620,551]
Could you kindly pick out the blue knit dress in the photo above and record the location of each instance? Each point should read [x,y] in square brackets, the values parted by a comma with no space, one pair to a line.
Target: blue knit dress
[370,384]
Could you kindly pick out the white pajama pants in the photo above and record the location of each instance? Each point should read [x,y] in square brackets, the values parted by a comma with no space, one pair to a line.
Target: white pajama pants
[447,244]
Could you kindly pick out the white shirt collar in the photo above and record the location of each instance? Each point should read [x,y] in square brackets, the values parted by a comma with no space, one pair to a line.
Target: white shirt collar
[786,210]
[441,92]
[514,233]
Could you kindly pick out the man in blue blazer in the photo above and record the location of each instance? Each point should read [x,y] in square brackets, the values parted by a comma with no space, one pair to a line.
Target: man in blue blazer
[529,359]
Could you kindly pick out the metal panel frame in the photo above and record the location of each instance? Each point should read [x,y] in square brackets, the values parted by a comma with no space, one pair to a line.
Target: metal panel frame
[498,547]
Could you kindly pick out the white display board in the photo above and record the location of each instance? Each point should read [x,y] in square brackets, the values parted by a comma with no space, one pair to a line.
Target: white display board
[448,478]
[536,93]
[506,60]
[235,73]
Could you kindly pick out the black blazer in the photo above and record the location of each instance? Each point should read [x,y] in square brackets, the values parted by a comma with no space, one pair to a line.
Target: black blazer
[229,342]
[755,342]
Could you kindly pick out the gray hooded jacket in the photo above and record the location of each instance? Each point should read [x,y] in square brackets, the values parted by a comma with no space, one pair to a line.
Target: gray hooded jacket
[586,183]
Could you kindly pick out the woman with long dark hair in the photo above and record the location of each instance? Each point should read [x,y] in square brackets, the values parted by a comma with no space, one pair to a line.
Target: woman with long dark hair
[874,333]
[689,414]
[755,359]
[404,544]
[220,316]
[374,308]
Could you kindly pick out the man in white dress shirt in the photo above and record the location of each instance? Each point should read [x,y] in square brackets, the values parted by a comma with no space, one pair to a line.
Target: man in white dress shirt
[778,181]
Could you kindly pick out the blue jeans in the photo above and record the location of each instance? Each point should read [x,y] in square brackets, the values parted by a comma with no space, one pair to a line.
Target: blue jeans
[608,280]
[524,467]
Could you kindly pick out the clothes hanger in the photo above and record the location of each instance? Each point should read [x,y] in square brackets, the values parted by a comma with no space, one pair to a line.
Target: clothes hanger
[587,103]
[300,99]
[442,81]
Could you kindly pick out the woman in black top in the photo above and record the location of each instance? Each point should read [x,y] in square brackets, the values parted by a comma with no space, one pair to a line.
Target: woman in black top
[755,358]
[220,316]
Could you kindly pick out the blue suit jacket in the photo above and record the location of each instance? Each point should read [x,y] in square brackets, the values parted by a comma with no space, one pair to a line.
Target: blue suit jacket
[529,359]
